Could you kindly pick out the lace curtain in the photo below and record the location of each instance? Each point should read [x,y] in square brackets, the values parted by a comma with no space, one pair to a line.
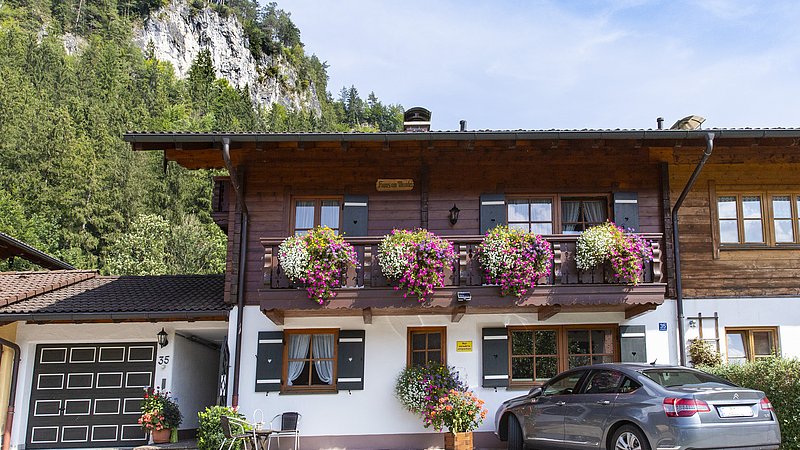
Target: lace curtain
[323,348]
[594,211]
[298,348]
[569,213]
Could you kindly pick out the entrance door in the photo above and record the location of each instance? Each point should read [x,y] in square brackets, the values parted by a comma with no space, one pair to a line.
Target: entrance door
[89,395]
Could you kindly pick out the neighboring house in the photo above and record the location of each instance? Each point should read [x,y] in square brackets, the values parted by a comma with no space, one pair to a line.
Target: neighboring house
[89,347]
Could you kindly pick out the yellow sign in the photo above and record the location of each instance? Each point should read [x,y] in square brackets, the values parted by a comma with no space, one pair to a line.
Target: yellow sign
[464,346]
[394,185]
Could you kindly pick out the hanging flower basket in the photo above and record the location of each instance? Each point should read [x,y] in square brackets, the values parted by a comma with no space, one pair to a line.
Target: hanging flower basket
[514,259]
[626,252]
[415,260]
[319,259]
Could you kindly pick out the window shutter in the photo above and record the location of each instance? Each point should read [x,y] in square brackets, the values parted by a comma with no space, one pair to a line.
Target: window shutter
[632,343]
[626,210]
[269,361]
[493,211]
[354,215]
[495,357]
[350,364]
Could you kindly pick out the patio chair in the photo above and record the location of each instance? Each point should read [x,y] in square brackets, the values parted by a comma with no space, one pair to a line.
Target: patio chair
[235,429]
[289,426]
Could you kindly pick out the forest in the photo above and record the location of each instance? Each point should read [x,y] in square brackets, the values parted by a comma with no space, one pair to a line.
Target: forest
[71,187]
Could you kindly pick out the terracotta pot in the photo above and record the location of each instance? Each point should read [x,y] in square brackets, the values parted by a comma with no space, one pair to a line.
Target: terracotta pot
[458,441]
[161,437]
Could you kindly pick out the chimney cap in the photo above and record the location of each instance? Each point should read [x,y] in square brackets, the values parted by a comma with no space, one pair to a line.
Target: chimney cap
[417,119]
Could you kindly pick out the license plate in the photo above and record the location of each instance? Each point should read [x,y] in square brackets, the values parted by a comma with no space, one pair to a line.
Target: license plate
[735,411]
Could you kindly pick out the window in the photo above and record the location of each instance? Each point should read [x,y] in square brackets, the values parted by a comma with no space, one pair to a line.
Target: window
[309,213]
[427,345]
[565,384]
[539,353]
[603,382]
[740,219]
[767,218]
[749,344]
[310,360]
[541,215]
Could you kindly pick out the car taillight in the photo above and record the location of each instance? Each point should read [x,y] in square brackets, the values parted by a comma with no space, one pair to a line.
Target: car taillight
[765,404]
[684,407]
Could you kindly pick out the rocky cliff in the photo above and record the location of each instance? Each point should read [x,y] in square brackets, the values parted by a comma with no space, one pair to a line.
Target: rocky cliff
[179,33]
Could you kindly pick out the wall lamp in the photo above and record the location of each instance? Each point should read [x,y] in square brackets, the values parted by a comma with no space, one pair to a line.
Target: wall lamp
[162,338]
[454,214]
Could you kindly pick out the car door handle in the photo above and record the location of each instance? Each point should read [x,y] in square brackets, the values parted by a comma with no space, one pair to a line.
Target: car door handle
[603,402]
[561,403]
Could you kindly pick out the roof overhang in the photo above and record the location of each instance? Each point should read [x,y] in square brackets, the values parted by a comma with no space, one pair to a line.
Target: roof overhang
[10,247]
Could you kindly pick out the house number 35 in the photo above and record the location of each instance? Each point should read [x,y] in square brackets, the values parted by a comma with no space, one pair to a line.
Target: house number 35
[163,360]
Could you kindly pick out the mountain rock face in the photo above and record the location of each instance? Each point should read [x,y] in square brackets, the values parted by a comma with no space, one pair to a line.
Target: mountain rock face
[179,33]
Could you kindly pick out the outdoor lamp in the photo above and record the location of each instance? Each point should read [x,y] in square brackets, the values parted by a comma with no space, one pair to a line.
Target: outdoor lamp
[454,214]
[162,338]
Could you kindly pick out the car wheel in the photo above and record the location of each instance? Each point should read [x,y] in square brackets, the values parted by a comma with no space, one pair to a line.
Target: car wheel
[628,437]
[514,434]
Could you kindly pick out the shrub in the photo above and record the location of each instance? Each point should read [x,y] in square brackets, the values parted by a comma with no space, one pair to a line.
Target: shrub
[415,260]
[514,259]
[209,433]
[703,354]
[777,377]
[159,411]
[608,242]
[418,386]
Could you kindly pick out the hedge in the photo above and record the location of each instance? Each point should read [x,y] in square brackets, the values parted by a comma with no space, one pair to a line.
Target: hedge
[209,434]
[779,378]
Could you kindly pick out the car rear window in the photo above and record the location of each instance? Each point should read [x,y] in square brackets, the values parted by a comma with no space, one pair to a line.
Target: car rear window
[682,377]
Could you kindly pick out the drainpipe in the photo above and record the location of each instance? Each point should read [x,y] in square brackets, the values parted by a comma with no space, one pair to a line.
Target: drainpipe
[677,248]
[12,395]
[244,218]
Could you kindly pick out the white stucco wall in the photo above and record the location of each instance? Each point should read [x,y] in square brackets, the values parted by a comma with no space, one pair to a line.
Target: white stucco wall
[30,335]
[375,410]
[195,377]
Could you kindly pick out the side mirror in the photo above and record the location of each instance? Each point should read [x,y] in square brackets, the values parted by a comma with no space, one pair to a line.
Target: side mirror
[535,392]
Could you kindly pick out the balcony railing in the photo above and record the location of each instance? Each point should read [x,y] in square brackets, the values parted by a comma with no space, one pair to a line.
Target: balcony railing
[466,270]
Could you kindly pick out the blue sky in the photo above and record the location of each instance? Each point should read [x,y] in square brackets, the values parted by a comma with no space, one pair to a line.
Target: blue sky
[507,64]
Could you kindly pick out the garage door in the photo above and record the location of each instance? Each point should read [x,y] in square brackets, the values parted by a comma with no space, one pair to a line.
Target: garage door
[89,395]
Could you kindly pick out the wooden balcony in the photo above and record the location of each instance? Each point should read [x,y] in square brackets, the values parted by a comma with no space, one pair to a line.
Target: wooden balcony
[365,290]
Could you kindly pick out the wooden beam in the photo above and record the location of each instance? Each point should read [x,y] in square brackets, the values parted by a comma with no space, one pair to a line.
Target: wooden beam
[546,312]
[275,315]
[638,310]
[458,313]
[367,314]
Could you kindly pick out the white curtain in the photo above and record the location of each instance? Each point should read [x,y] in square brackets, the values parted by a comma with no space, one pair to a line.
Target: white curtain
[304,215]
[298,348]
[323,348]
[569,213]
[594,210]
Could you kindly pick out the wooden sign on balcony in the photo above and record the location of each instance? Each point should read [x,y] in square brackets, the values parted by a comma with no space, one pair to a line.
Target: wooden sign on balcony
[394,184]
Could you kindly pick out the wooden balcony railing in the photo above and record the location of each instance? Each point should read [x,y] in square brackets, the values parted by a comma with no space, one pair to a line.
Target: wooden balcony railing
[466,270]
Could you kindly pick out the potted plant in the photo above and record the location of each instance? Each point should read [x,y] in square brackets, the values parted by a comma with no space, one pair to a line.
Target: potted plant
[319,259]
[419,387]
[415,260]
[461,412]
[626,252]
[160,415]
[514,259]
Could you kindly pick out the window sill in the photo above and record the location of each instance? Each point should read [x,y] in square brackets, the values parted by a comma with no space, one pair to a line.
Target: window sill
[308,391]
[726,247]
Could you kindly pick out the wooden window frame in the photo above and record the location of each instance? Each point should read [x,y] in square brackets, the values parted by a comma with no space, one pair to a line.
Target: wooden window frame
[555,210]
[561,346]
[767,217]
[739,195]
[412,330]
[556,200]
[317,199]
[750,343]
[795,218]
[285,388]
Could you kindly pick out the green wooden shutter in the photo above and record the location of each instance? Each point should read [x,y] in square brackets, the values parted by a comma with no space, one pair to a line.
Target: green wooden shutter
[350,363]
[269,361]
[626,210]
[493,211]
[495,357]
[355,215]
[632,343]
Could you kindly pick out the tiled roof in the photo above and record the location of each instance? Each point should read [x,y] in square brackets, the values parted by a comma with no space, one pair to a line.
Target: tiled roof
[161,296]
[16,286]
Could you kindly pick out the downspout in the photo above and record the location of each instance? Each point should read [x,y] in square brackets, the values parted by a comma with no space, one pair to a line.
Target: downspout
[243,220]
[12,395]
[676,245]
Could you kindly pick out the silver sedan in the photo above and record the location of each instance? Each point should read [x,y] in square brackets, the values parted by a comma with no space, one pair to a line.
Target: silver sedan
[638,407]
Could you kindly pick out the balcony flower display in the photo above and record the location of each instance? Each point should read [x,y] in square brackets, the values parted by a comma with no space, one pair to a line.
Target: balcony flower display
[319,259]
[415,260]
[609,242]
[514,259]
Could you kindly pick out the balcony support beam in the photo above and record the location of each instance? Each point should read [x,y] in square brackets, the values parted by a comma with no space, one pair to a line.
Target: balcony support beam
[367,314]
[458,313]
[546,312]
[275,315]
[638,310]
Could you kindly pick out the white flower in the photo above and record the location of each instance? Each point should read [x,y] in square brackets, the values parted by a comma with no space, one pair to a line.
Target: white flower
[293,256]
[593,247]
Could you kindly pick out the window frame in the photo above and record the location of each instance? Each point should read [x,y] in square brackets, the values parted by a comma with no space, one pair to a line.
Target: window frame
[556,200]
[562,350]
[317,199]
[750,342]
[740,220]
[285,388]
[409,334]
[767,217]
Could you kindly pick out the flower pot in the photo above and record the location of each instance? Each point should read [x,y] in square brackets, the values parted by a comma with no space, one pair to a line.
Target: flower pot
[162,436]
[458,441]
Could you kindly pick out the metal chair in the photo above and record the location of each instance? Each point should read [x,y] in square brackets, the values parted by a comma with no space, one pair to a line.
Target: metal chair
[289,427]
[245,433]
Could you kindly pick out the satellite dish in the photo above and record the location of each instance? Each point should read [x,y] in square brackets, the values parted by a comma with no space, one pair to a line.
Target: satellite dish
[689,123]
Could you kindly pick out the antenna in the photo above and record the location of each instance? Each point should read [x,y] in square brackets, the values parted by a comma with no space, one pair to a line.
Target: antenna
[654,362]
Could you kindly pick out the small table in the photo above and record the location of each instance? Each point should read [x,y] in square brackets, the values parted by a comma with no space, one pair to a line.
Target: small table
[262,435]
